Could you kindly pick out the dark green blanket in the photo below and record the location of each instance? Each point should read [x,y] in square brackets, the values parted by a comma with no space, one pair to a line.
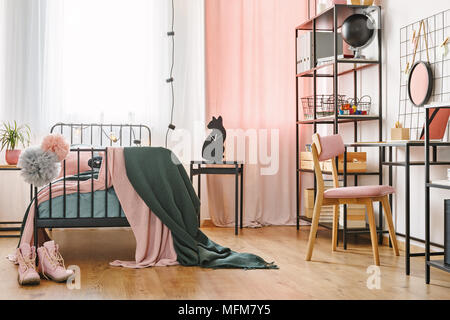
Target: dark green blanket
[162,182]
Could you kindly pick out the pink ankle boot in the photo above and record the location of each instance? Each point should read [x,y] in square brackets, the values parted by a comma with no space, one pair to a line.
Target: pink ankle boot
[51,264]
[26,257]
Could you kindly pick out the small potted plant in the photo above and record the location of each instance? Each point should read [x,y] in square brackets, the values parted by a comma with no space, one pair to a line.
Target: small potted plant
[11,136]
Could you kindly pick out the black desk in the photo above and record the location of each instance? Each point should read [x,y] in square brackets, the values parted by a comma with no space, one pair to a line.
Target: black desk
[235,168]
[12,223]
[407,164]
[428,185]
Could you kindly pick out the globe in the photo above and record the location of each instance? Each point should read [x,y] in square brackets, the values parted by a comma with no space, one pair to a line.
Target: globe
[358,31]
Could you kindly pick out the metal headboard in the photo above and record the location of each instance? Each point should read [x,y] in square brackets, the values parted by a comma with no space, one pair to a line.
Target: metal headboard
[105,133]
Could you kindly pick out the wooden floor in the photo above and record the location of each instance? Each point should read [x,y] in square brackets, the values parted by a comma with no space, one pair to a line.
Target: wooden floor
[341,275]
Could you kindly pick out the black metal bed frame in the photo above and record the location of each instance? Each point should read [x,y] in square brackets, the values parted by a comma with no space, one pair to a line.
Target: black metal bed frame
[89,222]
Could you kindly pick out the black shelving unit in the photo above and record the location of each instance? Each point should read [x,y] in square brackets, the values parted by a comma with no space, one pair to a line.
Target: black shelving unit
[331,21]
[440,264]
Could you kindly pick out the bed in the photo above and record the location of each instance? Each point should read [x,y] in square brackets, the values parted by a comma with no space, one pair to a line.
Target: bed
[97,208]
[155,191]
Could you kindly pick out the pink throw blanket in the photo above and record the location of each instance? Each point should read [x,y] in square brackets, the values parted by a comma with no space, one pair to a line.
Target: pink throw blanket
[154,244]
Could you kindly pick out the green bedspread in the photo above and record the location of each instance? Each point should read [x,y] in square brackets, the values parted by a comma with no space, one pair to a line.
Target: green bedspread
[86,209]
[162,182]
[72,203]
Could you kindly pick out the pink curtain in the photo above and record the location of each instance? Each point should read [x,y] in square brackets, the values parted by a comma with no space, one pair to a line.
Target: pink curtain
[250,81]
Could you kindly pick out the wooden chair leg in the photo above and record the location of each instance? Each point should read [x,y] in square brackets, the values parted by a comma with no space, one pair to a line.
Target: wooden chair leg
[335,227]
[387,211]
[373,232]
[314,226]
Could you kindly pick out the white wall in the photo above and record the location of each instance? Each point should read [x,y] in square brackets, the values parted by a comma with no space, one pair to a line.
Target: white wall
[398,13]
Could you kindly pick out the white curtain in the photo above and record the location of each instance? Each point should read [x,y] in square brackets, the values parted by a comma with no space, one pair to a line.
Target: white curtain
[98,61]
[102,61]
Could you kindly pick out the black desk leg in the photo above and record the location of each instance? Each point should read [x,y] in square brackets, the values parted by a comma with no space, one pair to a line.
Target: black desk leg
[407,211]
[236,200]
[344,231]
[242,196]
[435,156]
[390,183]
[427,196]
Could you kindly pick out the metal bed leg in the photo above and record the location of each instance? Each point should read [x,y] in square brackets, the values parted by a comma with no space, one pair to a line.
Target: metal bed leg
[35,228]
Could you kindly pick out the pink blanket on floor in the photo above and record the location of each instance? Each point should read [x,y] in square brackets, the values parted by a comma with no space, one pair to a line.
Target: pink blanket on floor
[154,244]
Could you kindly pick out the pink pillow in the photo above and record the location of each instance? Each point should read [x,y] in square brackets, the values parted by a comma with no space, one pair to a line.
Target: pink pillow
[72,163]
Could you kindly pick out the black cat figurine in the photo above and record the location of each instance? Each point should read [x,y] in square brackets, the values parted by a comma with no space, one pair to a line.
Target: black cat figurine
[213,147]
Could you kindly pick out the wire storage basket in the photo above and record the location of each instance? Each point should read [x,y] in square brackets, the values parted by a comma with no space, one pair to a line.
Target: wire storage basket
[364,105]
[308,107]
[328,103]
[358,107]
[324,105]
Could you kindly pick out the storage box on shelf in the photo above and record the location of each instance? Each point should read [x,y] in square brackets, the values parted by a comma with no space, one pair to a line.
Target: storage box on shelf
[326,215]
[356,162]
[356,214]
[398,134]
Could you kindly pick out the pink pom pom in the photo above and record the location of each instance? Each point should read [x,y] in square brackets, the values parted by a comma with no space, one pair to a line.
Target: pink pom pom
[57,144]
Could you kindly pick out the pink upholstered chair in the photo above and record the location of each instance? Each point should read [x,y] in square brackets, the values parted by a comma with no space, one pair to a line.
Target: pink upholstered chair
[326,148]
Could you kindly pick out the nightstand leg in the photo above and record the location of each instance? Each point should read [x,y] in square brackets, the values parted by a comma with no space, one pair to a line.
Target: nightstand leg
[199,194]
[242,196]
[236,201]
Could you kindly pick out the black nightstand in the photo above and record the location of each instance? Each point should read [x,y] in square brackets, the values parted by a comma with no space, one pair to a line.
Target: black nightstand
[236,168]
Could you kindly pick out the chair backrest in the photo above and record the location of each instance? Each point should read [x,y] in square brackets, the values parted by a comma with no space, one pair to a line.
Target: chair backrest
[323,149]
[329,147]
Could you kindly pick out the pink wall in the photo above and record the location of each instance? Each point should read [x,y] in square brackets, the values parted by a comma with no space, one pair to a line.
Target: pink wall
[250,81]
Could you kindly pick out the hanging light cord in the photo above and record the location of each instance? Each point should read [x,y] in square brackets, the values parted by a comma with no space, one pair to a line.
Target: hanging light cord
[171,34]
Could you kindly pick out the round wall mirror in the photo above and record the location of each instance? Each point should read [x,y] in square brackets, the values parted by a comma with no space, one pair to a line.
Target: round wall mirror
[420,83]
